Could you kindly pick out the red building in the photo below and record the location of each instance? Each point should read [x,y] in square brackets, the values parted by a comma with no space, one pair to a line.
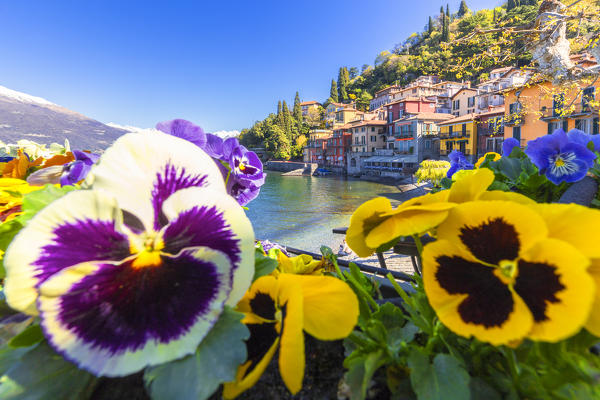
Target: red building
[338,145]
[314,152]
[410,105]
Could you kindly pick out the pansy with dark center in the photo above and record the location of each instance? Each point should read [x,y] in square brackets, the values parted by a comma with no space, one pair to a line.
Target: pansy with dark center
[136,270]
[77,170]
[559,158]
[494,273]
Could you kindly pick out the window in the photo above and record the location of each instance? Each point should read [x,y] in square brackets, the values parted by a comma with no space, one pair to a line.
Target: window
[587,96]
[565,125]
[558,104]
[362,129]
[363,140]
[471,101]
[356,140]
[390,116]
[464,129]
[517,132]
[456,104]
[414,91]
[373,138]
[552,126]
[372,129]
[583,125]
[595,126]
[428,144]
[514,108]
[363,150]
[353,162]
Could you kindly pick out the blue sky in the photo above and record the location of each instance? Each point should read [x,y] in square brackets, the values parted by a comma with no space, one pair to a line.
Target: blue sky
[222,65]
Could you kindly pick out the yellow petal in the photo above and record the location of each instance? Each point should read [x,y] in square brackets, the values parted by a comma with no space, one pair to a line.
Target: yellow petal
[470,186]
[506,196]
[405,224]
[493,230]
[469,299]
[572,223]
[244,382]
[482,159]
[291,351]
[330,307]
[593,322]
[431,201]
[267,285]
[366,217]
[554,283]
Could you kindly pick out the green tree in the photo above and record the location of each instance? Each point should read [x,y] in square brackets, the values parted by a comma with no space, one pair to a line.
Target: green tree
[353,72]
[277,143]
[448,11]
[333,92]
[279,108]
[430,25]
[297,109]
[463,9]
[510,5]
[287,120]
[342,84]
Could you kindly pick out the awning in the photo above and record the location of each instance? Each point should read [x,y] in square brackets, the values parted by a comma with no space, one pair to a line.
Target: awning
[399,140]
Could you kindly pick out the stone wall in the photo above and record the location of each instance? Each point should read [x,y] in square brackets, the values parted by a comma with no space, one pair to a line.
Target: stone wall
[286,166]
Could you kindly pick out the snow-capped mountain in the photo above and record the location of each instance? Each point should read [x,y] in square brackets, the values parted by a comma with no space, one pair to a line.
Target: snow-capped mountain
[23,116]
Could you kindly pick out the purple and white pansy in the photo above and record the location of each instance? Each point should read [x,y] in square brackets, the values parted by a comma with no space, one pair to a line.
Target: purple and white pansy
[136,270]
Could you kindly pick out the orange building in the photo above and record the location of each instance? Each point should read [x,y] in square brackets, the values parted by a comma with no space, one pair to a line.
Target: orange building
[540,108]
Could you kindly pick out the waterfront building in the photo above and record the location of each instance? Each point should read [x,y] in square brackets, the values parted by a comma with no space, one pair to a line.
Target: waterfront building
[307,105]
[540,108]
[459,133]
[490,131]
[338,146]
[463,102]
[411,105]
[367,135]
[315,149]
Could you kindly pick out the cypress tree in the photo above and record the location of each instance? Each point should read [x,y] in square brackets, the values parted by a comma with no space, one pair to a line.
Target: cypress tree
[463,9]
[287,120]
[441,9]
[279,108]
[297,109]
[448,11]
[510,5]
[342,84]
[353,72]
[430,25]
[333,92]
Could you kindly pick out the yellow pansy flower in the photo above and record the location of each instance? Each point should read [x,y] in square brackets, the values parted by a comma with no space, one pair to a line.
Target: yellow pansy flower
[11,197]
[375,222]
[577,225]
[498,272]
[482,159]
[302,265]
[278,311]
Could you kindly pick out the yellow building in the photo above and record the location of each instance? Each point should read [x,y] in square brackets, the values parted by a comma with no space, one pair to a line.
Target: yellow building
[459,133]
[540,108]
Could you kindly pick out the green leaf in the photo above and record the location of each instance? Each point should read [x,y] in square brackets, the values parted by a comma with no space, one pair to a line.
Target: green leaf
[9,356]
[445,378]
[390,316]
[510,167]
[480,390]
[8,230]
[42,374]
[263,265]
[199,375]
[35,201]
[30,336]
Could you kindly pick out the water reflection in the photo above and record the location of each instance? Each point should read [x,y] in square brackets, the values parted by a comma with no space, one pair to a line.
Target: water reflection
[301,211]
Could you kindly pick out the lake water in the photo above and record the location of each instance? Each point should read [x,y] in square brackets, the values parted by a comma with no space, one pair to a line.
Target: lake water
[301,211]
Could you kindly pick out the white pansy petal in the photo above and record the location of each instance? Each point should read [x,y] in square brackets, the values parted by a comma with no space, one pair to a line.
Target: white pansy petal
[143,169]
[81,226]
[205,217]
[114,320]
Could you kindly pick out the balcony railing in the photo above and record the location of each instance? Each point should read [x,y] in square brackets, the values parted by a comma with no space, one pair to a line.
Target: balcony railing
[577,109]
[488,131]
[454,135]
[445,152]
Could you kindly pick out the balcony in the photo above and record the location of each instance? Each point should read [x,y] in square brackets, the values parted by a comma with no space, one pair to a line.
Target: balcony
[513,119]
[575,110]
[456,135]
[490,131]
[445,152]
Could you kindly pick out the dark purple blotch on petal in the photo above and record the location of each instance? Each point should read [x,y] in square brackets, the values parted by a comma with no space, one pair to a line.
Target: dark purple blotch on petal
[202,226]
[81,241]
[120,308]
[168,181]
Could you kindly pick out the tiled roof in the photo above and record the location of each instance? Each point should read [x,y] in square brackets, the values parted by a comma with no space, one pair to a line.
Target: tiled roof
[467,117]
[430,115]
[307,103]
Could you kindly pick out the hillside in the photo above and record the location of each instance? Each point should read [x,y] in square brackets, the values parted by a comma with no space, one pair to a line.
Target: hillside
[28,117]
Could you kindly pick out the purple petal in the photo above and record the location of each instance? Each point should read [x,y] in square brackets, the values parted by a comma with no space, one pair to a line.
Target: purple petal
[74,172]
[167,182]
[87,158]
[185,130]
[508,145]
[81,241]
[202,226]
[214,146]
[582,153]
[244,192]
[229,146]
